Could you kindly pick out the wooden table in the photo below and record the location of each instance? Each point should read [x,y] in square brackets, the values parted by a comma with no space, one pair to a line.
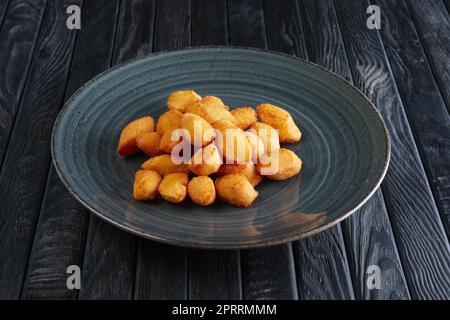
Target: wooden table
[404,68]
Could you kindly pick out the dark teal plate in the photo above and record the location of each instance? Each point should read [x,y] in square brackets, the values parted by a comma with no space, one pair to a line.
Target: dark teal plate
[345,147]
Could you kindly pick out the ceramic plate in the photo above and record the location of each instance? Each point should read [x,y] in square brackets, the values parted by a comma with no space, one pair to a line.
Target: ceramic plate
[345,146]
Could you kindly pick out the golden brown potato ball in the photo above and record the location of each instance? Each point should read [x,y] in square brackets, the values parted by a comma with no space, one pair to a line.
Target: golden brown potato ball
[127,142]
[236,190]
[279,119]
[201,190]
[280,165]
[206,161]
[257,145]
[211,109]
[167,143]
[245,117]
[213,101]
[173,187]
[200,132]
[168,122]
[178,100]
[146,184]
[247,169]
[164,165]
[232,142]
[268,135]
[149,143]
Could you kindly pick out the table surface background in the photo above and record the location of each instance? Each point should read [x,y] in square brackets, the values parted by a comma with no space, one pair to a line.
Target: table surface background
[404,68]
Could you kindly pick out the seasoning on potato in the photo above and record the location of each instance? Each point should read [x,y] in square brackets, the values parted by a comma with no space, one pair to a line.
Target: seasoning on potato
[173,187]
[164,165]
[149,143]
[280,165]
[206,161]
[127,141]
[244,116]
[178,100]
[236,190]
[168,122]
[232,142]
[202,191]
[247,169]
[200,132]
[146,184]
[279,119]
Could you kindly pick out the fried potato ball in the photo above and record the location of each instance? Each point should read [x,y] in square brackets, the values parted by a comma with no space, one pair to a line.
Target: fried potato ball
[268,135]
[178,100]
[279,119]
[146,184]
[213,101]
[280,165]
[200,132]
[167,143]
[127,141]
[168,122]
[257,145]
[202,191]
[247,169]
[149,143]
[236,190]
[173,187]
[232,142]
[245,117]
[211,109]
[206,161]
[164,165]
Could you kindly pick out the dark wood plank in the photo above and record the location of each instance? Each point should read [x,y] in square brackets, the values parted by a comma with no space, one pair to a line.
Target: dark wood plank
[62,227]
[266,273]
[3,9]
[424,105]
[18,35]
[27,160]
[420,236]
[110,257]
[213,274]
[320,260]
[368,234]
[161,270]
[433,25]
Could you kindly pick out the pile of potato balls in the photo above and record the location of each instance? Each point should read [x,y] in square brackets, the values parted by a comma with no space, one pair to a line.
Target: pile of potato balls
[201,137]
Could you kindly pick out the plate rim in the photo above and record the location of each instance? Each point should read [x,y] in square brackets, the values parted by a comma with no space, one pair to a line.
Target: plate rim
[206,245]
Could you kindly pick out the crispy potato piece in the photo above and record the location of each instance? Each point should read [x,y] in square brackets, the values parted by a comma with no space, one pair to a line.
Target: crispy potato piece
[200,132]
[167,144]
[236,190]
[127,141]
[280,165]
[202,191]
[279,119]
[211,109]
[173,187]
[268,135]
[247,169]
[232,142]
[257,145]
[168,121]
[163,165]
[178,100]
[206,161]
[213,101]
[146,184]
[149,143]
[245,117]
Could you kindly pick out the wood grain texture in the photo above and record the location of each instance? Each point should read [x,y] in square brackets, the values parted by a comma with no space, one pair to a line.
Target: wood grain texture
[320,260]
[161,270]
[424,105]
[369,239]
[20,28]
[266,273]
[3,9]
[26,164]
[213,274]
[433,25]
[63,223]
[420,236]
[113,277]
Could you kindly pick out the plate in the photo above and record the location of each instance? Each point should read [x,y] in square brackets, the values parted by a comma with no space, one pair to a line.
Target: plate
[345,146]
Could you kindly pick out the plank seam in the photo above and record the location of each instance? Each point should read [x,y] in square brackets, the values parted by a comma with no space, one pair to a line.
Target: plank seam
[3,17]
